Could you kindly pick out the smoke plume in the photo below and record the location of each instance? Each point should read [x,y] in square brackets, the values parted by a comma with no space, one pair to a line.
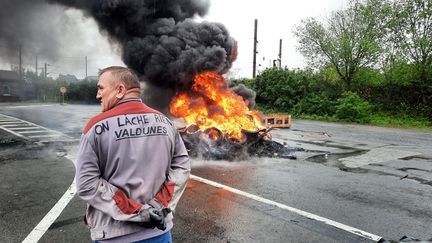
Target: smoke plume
[159,38]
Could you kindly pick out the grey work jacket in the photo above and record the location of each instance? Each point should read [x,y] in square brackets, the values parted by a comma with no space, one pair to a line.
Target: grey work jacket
[130,158]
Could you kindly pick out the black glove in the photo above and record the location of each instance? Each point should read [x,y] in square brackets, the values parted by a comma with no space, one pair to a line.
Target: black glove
[157,218]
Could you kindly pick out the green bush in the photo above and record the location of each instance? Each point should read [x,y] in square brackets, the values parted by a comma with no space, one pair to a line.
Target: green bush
[376,96]
[351,107]
[281,89]
[316,104]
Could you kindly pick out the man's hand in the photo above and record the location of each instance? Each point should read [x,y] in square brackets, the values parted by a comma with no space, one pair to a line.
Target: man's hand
[156,218]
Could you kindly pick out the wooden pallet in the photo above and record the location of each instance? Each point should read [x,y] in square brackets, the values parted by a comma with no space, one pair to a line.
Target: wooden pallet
[277,120]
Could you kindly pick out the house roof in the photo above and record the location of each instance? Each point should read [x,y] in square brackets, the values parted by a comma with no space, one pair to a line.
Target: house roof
[6,75]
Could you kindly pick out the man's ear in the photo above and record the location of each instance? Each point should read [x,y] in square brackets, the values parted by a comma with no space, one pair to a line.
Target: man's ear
[121,91]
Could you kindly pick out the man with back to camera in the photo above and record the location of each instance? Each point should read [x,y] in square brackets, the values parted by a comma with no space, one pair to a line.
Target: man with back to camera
[132,165]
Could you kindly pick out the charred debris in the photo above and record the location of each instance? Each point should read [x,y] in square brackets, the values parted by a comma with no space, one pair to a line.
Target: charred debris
[213,144]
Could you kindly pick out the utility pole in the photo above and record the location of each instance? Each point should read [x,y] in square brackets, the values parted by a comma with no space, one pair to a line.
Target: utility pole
[45,71]
[20,63]
[255,49]
[85,67]
[280,53]
[36,68]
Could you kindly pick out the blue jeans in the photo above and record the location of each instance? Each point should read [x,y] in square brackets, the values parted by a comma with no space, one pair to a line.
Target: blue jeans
[163,238]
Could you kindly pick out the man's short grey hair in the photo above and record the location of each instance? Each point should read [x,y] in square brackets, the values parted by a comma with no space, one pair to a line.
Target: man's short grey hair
[122,74]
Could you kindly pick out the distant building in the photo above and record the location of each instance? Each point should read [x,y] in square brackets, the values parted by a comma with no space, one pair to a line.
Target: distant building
[67,78]
[12,88]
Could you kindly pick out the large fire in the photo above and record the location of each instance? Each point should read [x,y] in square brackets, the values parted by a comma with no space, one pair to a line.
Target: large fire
[210,103]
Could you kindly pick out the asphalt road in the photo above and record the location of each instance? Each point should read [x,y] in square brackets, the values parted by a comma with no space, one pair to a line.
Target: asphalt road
[375,179]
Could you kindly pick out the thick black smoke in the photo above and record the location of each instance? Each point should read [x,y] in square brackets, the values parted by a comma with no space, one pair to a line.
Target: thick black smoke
[160,40]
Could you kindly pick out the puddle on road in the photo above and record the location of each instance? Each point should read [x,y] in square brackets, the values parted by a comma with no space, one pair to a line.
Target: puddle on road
[333,159]
[417,157]
[405,169]
[325,143]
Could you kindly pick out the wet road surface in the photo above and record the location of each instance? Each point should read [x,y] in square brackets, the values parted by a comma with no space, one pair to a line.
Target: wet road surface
[374,179]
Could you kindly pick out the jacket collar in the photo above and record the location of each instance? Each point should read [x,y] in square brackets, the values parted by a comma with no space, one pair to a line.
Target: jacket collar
[127,100]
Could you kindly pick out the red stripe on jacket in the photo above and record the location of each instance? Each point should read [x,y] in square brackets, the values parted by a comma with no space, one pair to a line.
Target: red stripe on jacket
[125,204]
[130,107]
[165,194]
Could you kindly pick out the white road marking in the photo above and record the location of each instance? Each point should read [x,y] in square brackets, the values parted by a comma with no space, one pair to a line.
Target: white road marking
[14,133]
[29,132]
[40,229]
[24,128]
[45,136]
[16,126]
[330,222]
[10,122]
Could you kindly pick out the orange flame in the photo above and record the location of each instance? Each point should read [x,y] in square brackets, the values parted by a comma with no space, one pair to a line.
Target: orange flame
[211,103]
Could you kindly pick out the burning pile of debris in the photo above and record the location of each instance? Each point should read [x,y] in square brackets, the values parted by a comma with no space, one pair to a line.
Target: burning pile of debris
[213,144]
[221,125]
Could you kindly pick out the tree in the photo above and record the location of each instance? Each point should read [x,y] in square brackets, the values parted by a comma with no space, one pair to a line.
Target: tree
[411,30]
[411,35]
[350,39]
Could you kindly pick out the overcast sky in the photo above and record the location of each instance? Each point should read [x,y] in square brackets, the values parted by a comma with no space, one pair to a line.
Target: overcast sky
[276,20]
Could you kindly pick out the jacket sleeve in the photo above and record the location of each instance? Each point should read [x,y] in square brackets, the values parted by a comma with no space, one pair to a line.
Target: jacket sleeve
[99,193]
[177,176]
